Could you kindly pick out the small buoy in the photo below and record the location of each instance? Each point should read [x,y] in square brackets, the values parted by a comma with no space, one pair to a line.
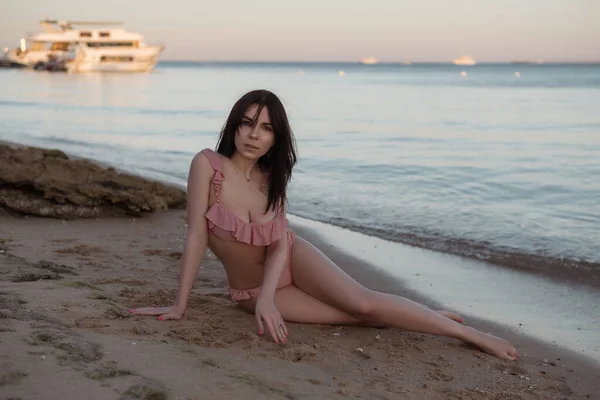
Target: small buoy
[340,73]
[300,73]
[463,73]
[517,74]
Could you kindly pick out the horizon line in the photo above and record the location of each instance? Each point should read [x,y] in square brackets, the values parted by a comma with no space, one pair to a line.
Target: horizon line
[358,62]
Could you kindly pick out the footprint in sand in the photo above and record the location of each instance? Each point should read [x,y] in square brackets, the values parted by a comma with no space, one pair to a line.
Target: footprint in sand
[299,353]
[439,375]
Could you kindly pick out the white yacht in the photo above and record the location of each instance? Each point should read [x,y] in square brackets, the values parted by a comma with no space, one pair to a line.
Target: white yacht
[84,46]
[369,61]
[464,60]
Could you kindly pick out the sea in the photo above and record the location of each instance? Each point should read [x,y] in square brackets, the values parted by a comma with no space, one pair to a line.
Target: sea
[497,162]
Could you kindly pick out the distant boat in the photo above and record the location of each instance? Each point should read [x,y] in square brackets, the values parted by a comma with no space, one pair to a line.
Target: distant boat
[369,61]
[464,60]
[83,49]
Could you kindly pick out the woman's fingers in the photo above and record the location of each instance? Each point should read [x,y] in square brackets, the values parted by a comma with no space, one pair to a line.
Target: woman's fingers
[261,329]
[150,310]
[273,330]
[284,327]
[164,313]
[168,316]
[279,329]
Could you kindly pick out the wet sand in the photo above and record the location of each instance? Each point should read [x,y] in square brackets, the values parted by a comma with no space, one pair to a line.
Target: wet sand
[66,286]
[560,270]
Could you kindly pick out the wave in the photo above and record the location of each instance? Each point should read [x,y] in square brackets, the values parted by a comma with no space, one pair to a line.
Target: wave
[564,269]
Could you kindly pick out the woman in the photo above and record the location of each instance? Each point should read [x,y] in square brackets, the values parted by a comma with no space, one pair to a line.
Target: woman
[237,208]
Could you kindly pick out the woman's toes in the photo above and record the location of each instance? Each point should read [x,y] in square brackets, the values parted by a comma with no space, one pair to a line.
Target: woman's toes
[451,315]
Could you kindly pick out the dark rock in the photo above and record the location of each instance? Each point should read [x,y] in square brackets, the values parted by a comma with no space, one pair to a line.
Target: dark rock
[48,183]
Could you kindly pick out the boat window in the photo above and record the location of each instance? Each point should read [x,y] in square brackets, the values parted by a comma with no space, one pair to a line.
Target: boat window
[104,34]
[110,44]
[37,46]
[116,59]
[60,46]
[85,34]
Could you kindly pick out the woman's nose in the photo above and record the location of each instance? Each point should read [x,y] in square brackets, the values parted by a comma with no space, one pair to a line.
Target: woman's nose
[254,132]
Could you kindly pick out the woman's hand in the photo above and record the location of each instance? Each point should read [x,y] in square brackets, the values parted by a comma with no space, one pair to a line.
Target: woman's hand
[164,313]
[265,310]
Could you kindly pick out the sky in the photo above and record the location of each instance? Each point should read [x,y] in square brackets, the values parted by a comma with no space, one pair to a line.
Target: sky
[336,30]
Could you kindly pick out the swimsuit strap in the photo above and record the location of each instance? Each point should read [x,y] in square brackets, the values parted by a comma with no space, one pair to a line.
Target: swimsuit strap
[216,164]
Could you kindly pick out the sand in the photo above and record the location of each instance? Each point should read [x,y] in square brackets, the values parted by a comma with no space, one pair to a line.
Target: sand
[65,287]
[65,333]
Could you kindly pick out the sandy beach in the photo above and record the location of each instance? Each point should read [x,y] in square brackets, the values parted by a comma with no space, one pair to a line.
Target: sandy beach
[66,285]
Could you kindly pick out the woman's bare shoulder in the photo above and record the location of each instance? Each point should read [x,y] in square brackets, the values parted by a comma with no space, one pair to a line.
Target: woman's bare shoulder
[201,168]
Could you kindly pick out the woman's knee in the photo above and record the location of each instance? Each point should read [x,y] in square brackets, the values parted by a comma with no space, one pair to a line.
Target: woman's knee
[363,306]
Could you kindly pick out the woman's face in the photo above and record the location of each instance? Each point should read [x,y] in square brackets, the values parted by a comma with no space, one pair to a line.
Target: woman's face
[254,141]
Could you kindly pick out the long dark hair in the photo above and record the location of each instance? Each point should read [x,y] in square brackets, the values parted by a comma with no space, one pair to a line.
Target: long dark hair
[281,158]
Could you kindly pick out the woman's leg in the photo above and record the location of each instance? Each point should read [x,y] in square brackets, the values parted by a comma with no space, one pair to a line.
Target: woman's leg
[294,305]
[318,276]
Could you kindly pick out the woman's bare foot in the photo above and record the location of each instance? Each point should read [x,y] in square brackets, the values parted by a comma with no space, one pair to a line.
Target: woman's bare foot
[451,315]
[491,344]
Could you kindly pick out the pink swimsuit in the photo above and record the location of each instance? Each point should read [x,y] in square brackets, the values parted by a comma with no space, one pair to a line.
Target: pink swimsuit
[227,226]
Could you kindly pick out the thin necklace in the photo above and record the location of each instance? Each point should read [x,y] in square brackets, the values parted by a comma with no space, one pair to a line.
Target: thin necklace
[238,168]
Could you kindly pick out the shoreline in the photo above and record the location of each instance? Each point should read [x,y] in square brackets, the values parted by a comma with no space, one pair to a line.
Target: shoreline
[585,274]
[65,287]
[435,265]
[369,272]
[577,272]
[565,316]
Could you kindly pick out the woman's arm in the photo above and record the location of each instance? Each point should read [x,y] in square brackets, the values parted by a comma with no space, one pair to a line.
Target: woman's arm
[275,262]
[198,190]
